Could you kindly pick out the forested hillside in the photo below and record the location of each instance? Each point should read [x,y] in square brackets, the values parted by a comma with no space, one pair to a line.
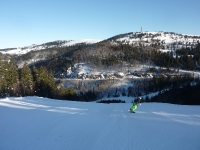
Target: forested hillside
[132,64]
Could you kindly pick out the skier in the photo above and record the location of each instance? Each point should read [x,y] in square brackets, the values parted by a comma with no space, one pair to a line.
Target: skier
[135,105]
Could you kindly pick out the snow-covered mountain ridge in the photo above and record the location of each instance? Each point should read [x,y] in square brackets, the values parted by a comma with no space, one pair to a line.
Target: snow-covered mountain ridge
[53,44]
[161,40]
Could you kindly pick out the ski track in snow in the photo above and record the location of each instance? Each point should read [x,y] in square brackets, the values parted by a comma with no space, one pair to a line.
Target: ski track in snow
[43,124]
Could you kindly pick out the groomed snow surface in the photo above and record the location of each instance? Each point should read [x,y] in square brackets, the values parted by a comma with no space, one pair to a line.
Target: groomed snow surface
[33,123]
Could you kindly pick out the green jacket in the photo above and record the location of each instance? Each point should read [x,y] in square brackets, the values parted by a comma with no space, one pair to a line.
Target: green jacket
[134,107]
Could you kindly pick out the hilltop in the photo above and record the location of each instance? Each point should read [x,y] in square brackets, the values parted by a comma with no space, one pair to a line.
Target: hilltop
[164,40]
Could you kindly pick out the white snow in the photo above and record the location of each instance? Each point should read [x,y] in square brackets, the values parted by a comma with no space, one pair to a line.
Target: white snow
[33,123]
[87,41]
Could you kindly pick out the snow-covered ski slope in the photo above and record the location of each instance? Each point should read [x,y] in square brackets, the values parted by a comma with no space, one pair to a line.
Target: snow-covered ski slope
[34,123]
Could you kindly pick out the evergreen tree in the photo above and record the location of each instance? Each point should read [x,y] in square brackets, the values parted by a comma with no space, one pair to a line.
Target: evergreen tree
[11,78]
[3,82]
[26,81]
[44,82]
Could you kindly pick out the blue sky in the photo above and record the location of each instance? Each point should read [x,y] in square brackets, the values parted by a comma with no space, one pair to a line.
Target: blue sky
[26,22]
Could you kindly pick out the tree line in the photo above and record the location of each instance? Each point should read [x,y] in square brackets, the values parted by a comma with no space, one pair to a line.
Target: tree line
[187,95]
[35,82]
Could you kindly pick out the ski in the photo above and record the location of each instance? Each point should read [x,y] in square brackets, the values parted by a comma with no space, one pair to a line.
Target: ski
[131,111]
